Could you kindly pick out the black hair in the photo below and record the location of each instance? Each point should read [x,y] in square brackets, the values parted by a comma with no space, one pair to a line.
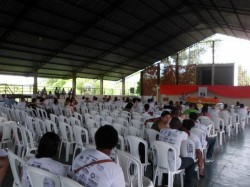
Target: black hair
[191,105]
[146,106]
[171,103]
[204,109]
[193,116]
[106,137]
[188,124]
[33,100]
[129,105]
[48,145]
[175,123]
[164,113]
[241,105]
[225,106]
[55,101]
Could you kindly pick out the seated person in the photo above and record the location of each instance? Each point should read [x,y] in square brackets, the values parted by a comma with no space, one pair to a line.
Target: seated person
[47,149]
[175,137]
[129,107]
[162,122]
[191,109]
[21,104]
[107,173]
[205,141]
[187,125]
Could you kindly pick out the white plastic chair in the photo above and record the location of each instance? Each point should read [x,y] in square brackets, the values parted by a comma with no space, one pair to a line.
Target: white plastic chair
[236,121]
[79,116]
[29,144]
[110,119]
[67,112]
[30,124]
[133,131]
[92,134]
[79,132]
[6,141]
[133,143]
[55,110]
[227,121]
[64,119]
[67,138]
[161,152]
[40,127]
[67,182]
[219,127]
[51,126]
[120,129]
[151,135]
[123,122]
[16,164]
[126,160]
[74,121]
[41,113]
[38,176]
[98,119]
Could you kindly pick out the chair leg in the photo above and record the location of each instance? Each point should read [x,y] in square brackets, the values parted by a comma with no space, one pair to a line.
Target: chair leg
[170,179]
[155,175]
[60,150]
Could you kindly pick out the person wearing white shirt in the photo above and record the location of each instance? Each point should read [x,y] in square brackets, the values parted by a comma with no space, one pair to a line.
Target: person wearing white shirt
[47,149]
[209,141]
[21,104]
[175,137]
[187,125]
[94,167]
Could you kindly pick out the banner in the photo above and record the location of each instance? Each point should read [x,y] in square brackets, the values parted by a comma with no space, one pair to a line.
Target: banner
[226,91]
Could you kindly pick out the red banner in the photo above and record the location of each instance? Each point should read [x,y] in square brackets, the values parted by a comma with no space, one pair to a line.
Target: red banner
[226,91]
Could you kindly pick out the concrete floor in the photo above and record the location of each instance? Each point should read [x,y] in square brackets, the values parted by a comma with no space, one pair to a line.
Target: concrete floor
[230,169]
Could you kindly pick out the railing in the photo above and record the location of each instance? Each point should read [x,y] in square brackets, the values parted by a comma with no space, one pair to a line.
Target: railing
[28,89]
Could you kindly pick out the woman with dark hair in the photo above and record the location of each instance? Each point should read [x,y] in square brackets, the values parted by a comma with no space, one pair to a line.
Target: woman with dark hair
[47,149]
[162,122]
[128,107]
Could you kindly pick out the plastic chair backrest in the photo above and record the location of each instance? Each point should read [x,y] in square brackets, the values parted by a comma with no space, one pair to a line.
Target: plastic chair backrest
[74,121]
[133,131]
[64,119]
[66,132]
[67,182]
[16,164]
[133,143]
[51,126]
[137,124]
[40,127]
[78,134]
[160,152]
[152,135]
[56,110]
[123,122]
[125,160]
[120,129]
[78,116]
[37,177]
[29,143]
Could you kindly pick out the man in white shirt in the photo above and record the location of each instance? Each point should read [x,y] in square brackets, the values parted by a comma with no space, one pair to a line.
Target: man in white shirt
[210,141]
[94,167]
[21,104]
[175,137]
[187,125]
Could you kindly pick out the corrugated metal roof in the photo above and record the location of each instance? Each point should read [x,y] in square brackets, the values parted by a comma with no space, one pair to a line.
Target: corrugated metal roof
[108,38]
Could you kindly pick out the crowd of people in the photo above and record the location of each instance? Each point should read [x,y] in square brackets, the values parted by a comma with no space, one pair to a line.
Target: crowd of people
[175,122]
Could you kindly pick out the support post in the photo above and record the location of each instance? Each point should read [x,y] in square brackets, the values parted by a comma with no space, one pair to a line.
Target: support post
[177,69]
[101,85]
[213,63]
[123,86]
[141,83]
[35,82]
[74,83]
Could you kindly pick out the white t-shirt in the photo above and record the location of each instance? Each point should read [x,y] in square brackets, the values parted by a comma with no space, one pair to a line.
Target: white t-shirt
[197,144]
[107,174]
[21,105]
[201,133]
[174,137]
[46,164]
